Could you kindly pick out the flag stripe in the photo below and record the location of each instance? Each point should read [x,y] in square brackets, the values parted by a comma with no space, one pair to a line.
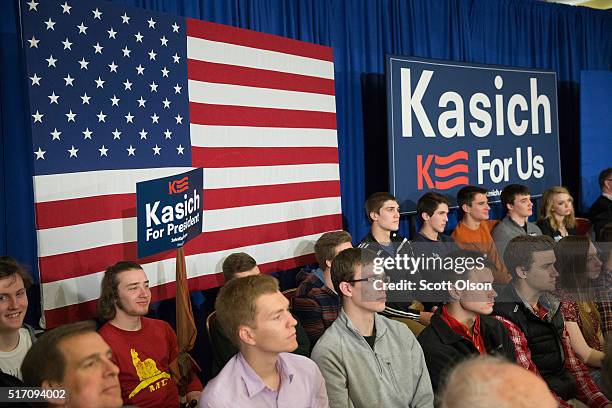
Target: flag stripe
[50,187]
[223,53]
[242,136]
[239,36]
[85,310]
[53,214]
[88,184]
[87,287]
[96,259]
[205,114]
[230,74]
[53,241]
[224,94]
[217,157]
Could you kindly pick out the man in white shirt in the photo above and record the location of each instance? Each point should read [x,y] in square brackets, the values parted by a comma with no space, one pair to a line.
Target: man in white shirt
[15,339]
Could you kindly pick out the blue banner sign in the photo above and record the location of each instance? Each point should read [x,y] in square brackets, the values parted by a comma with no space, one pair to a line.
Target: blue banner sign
[452,124]
[169,211]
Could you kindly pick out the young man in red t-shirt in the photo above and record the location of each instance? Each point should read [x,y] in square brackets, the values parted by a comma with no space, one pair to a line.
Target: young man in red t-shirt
[143,348]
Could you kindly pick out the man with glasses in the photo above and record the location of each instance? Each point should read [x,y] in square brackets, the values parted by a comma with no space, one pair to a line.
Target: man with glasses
[368,360]
[600,213]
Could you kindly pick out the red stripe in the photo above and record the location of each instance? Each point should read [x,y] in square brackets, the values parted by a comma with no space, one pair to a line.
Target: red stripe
[254,39]
[260,78]
[80,263]
[458,155]
[227,115]
[457,168]
[87,310]
[53,214]
[244,196]
[457,181]
[216,157]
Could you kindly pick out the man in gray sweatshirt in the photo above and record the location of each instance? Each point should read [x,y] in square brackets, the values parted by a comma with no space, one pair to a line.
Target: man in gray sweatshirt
[516,199]
[368,360]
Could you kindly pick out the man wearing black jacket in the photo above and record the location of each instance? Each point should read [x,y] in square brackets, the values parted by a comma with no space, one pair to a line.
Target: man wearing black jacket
[600,212]
[462,327]
[382,211]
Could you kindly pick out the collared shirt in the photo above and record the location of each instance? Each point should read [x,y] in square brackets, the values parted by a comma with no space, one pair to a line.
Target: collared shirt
[319,274]
[586,390]
[237,385]
[474,337]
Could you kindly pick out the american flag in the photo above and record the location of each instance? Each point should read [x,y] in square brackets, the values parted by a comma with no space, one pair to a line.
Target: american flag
[120,95]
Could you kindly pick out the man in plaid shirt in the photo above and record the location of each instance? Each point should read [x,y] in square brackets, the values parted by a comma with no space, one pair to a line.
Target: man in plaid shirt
[604,287]
[534,322]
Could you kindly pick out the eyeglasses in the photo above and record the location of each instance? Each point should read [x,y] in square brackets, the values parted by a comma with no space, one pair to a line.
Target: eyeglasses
[371,279]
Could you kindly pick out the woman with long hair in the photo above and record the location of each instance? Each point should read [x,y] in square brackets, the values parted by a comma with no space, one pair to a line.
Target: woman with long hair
[579,268]
[557,219]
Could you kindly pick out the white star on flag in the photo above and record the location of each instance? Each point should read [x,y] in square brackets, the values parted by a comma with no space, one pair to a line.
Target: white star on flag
[82,28]
[40,154]
[51,61]
[35,79]
[50,24]
[38,117]
[53,97]
[33,42]
[73,151]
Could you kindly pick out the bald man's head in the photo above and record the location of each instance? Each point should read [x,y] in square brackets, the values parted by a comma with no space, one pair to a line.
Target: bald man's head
[487,381]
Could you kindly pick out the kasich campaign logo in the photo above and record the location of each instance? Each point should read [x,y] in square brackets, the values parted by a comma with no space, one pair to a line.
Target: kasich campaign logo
[178,186]
[448,171]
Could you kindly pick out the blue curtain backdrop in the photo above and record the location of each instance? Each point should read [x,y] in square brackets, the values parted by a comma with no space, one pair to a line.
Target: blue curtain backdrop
[508,32]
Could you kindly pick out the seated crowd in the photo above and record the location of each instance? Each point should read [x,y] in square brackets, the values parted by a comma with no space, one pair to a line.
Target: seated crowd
[524,325]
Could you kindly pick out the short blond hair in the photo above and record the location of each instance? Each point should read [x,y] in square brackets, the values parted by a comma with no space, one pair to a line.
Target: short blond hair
[235,304]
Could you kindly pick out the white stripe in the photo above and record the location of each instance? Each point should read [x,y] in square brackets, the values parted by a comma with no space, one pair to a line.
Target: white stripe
[268,175]
[85,288]
[54,187]
[59,240]
[245,136]
[231,54]
[89,184]
[237,95]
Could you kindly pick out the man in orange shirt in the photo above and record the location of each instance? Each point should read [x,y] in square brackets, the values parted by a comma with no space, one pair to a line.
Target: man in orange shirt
[474,230]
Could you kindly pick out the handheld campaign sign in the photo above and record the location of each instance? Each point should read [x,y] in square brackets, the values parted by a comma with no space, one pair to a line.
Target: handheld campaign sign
[169,212]
[452,124]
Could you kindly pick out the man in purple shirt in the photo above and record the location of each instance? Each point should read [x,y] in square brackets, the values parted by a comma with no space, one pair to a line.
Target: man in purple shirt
[255,316]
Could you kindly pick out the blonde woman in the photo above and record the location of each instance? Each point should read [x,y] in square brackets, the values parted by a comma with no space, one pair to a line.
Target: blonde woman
[557,218]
